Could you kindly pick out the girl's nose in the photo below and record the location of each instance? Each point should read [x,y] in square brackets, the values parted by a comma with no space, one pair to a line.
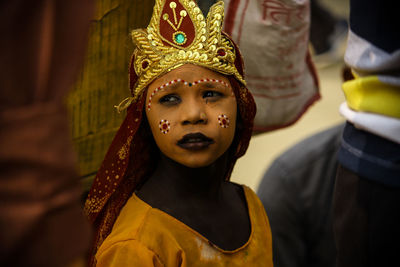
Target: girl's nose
[194,113]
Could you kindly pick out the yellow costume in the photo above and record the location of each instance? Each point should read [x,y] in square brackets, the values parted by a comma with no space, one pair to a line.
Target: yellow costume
[146,236]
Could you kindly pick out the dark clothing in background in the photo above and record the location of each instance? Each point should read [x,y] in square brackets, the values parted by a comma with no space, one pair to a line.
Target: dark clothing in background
[367,221]
[205,5]
[296,192]
[42,48]
[377,22]
[370,156]
[322,26]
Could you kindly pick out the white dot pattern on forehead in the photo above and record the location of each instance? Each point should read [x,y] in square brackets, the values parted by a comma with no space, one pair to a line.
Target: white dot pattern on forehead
[162,87]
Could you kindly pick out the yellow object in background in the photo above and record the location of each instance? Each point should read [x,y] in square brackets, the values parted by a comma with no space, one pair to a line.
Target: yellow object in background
[369,94]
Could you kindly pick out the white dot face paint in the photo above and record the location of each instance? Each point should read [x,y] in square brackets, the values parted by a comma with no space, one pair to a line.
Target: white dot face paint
[164,126]
[223,121]
[190,84]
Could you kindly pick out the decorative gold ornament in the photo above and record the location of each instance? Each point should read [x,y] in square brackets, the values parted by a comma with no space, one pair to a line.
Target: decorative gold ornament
[179,34]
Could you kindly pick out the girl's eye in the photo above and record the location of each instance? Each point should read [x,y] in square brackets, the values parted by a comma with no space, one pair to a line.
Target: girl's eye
[212,94]
[170,100]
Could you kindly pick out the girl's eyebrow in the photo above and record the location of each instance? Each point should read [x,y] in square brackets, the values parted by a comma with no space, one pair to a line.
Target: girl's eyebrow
[209,85]
[171,85]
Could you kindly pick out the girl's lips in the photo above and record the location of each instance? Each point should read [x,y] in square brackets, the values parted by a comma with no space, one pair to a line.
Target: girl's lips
[195,141]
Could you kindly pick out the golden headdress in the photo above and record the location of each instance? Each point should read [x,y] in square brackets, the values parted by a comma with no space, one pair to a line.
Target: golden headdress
[178,34]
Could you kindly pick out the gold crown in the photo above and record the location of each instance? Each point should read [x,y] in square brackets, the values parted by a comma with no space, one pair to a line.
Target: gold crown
[178,34]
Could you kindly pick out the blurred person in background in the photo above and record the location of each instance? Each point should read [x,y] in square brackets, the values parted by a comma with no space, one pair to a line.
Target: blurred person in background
[367,190]
[296,192]
[365,212]
[42,48]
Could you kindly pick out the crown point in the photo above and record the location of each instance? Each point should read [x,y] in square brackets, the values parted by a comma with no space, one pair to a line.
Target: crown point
[172,5]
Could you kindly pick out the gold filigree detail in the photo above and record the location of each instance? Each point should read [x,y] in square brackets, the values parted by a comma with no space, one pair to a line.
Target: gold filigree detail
[150,45]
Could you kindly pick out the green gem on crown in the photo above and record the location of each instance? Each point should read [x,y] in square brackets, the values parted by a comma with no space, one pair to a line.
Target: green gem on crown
[180,38]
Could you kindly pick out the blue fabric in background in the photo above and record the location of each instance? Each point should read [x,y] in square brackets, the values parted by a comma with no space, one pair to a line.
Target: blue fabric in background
[370,156]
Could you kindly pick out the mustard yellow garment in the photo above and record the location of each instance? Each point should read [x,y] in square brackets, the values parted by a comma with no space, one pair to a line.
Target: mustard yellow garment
[146,236]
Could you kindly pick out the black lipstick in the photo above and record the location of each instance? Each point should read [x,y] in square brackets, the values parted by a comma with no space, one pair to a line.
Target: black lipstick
[195,141]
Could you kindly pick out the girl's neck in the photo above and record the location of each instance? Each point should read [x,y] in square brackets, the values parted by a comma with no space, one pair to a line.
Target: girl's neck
[188,183]
[199,198]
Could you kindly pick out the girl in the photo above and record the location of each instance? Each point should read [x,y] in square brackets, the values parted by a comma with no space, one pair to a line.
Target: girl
[162,196]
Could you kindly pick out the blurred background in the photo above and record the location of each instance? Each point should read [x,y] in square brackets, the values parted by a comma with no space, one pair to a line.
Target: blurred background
[324,113]
[264,148]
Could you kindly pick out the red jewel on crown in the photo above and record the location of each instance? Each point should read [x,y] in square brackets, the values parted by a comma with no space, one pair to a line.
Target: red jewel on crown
[221,52]
[145,64]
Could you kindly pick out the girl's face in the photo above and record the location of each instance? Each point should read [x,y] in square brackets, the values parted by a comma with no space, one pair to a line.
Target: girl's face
[192,115]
